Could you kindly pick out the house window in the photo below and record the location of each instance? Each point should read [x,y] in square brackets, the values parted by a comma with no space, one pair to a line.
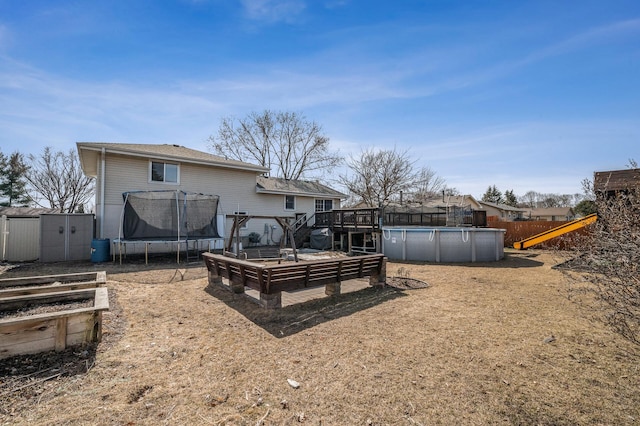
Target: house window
[324,205]
[164,172]
[289,202]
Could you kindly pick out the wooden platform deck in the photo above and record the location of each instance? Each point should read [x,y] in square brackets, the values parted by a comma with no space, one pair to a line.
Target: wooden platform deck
[270,280]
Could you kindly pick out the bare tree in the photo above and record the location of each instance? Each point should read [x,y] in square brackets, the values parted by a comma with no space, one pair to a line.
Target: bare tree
[429,185]
[530,199]
[57,179]
[286,142]
[533,199]
[377,177]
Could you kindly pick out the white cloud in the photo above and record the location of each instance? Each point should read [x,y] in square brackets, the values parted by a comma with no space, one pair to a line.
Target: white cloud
[588,38]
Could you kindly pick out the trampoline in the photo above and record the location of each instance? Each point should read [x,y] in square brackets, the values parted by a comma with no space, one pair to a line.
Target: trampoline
[175,219]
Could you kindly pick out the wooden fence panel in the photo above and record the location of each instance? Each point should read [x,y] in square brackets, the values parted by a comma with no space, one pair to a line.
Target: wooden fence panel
[518,231]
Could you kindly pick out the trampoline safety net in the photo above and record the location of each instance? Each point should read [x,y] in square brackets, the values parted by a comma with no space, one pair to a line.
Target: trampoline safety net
[169,215]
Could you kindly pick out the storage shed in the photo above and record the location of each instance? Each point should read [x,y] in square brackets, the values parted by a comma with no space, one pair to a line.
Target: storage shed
[65,237]
[20,233]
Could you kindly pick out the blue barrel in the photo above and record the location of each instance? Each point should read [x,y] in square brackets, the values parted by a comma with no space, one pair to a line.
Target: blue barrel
[100,250]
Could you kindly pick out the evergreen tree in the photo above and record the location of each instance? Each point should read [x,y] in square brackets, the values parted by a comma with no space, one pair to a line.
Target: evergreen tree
[13,181]
[585,207]
[3,168]
[492,195]
[510,198]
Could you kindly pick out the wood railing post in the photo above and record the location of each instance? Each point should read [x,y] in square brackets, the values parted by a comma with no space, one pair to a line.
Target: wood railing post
[379,277]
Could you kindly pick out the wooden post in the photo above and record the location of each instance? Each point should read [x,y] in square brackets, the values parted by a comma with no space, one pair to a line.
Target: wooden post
[61,334]
[214,278]
[271,301]
[236,287]
[332,289]
[379,278]
[238,241]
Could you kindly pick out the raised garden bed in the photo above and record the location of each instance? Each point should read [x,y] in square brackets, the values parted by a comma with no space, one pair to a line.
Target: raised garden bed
[58,321]
[24,286]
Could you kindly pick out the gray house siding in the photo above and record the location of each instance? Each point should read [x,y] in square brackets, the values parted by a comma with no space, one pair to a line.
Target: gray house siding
[126,169]
[126,174]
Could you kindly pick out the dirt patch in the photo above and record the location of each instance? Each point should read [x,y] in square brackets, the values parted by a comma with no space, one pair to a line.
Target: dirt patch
[473,346]
[46,308]
[404,283]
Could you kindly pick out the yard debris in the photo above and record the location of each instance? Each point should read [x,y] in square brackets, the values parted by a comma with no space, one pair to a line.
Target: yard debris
[215,400]
[293,383]
[139,393]
[259,422]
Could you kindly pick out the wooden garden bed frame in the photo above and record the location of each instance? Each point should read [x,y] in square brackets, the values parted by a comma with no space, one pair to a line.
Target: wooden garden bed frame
[25,286]
[54,330]
[272,280]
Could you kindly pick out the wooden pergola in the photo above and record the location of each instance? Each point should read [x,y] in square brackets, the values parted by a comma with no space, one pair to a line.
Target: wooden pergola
[240,220]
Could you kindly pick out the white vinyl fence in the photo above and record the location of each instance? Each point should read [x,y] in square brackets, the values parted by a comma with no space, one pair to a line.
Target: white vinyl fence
[19,239]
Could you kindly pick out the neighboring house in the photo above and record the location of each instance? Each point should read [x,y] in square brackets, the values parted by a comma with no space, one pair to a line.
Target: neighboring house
[120,168]
[467,201]
[503,211]
[552,214]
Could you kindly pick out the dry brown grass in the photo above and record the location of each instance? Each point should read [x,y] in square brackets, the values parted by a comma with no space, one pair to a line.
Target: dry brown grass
[468,349]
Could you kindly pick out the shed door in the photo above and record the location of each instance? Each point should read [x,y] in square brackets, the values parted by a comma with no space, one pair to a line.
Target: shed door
[65,237]
[80,234]
[53,244]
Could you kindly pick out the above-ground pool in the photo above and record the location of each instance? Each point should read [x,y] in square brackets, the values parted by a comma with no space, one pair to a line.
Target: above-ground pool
[443,244]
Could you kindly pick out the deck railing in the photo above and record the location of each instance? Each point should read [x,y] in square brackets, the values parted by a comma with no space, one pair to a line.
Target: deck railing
[372,219]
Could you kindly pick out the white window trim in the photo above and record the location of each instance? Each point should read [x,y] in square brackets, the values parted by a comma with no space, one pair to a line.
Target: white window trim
[294,203]
[324,200]
[150,176]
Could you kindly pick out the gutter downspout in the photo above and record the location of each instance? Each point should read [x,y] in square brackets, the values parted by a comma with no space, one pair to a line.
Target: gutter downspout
[4,237]
[102,179]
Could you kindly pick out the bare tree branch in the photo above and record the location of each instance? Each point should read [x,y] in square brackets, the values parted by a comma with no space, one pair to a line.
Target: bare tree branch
[286,142]
[378,177]
[58,182]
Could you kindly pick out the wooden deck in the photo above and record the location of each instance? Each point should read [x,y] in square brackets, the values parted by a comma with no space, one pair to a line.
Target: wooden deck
[272,280]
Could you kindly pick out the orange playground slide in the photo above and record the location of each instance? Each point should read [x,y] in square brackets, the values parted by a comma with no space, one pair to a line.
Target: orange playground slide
[555,232]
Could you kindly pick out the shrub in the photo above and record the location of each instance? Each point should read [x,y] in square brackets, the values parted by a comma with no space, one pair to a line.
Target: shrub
[607,259]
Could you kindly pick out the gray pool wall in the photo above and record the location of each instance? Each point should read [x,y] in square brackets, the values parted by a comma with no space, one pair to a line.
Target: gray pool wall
[443,244]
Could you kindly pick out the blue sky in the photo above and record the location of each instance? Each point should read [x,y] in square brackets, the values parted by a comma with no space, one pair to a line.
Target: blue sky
[522,95]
